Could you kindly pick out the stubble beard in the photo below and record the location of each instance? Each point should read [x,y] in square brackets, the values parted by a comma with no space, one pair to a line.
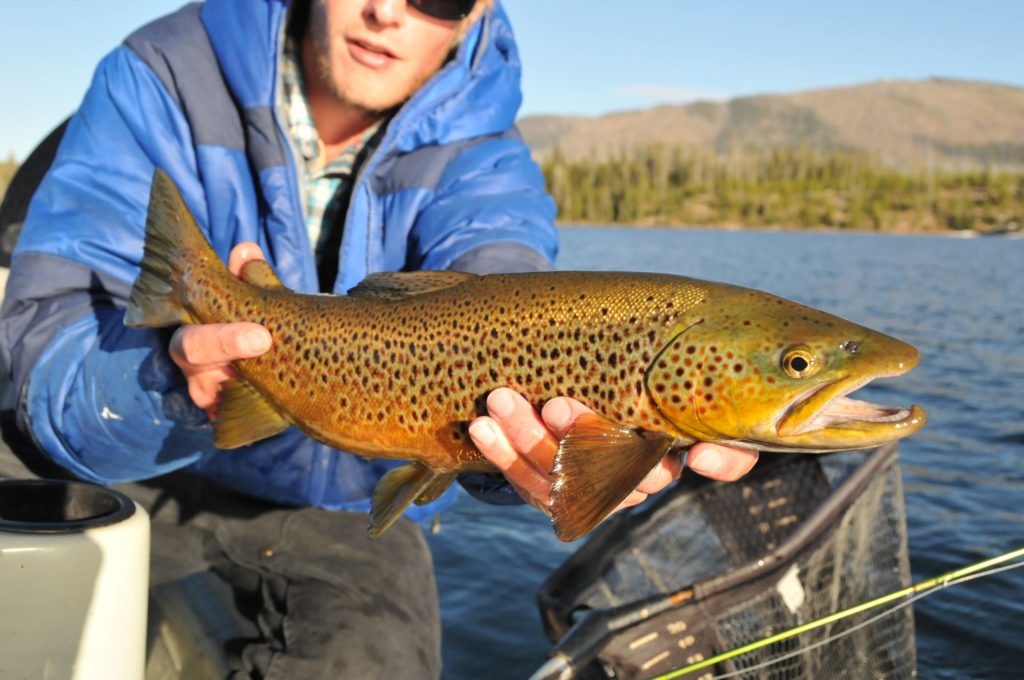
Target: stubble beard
[325,72]
[323,51]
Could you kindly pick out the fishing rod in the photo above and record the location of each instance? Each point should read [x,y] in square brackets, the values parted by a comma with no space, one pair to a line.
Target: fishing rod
[592,631]
[918,590]
[595,627]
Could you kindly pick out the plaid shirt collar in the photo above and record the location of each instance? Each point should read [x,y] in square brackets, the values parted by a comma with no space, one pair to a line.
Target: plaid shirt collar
[299,120]
[326,187]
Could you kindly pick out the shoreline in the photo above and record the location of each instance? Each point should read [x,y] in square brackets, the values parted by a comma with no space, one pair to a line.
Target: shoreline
[947,233]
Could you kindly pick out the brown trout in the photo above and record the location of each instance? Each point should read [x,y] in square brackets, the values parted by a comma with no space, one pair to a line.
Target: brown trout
[400,366]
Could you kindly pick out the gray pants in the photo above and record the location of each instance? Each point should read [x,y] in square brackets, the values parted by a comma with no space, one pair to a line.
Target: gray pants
[296,593]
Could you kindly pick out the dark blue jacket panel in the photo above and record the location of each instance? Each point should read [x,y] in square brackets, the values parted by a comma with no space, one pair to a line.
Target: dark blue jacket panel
[450,185]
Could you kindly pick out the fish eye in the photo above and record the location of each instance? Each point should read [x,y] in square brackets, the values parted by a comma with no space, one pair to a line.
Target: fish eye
[799,362]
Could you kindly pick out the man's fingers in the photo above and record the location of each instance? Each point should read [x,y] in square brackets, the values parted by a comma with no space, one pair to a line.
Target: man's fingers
[560,413]
[492,442]
[724,463]
[634,498]
[664,473]
[212,344]
[524,429]
[204,386]
[245,251]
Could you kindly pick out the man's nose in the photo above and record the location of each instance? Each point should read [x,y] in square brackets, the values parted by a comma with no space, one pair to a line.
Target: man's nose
[386,12]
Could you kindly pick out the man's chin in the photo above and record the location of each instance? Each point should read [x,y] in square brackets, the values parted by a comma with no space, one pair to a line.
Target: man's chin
[376,104]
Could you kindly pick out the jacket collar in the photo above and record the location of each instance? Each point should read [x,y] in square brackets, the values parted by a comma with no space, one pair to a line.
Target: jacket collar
[476,93]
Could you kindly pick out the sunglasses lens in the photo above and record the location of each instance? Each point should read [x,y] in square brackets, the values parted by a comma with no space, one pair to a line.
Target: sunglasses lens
[449,10]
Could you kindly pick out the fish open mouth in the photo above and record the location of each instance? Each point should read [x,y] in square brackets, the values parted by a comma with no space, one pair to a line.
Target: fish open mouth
[826,408]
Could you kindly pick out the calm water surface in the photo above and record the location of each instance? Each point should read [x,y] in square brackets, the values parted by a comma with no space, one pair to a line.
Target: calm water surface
[960,301]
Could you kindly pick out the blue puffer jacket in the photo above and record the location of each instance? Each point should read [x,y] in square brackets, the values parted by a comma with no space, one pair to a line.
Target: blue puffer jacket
[451,185]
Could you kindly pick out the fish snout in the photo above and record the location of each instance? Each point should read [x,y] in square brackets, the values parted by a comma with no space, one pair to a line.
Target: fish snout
[889,356]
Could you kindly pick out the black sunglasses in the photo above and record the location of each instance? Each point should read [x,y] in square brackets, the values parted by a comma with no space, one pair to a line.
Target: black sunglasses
[449,10]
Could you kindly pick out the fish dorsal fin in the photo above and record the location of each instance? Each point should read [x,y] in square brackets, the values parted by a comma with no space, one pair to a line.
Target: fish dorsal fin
[400,285]
[244,416]
[396,491]
[598,464]
[260,273]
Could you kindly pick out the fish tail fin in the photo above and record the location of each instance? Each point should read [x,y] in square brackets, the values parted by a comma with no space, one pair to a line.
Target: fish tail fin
[173,242]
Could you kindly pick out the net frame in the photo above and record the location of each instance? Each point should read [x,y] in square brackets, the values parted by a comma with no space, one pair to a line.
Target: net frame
[799,537]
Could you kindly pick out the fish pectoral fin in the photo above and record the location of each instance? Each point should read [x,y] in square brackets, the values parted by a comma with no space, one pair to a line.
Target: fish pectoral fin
[260,273]
[396,491]
[244,416]
[436,488]
[400,285]
[598,464]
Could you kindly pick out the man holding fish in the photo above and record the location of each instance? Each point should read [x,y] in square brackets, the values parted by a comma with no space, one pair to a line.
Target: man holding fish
[335,139]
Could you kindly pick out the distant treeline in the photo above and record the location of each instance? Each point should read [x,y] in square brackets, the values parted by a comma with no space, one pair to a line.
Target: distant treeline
[777,187]
[780,187]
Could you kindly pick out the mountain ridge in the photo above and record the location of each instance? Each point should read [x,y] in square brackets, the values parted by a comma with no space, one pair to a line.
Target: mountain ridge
[940,122]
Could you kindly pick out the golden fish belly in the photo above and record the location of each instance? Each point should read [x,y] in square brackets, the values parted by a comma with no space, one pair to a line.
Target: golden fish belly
[404,378]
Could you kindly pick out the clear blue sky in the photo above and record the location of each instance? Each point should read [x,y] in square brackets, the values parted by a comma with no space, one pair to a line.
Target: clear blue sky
[587,57]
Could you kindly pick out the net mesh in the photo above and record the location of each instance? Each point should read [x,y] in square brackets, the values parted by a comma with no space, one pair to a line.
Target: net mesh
[698,533]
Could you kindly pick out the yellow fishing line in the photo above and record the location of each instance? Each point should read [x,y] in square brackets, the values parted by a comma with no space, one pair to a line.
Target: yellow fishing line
[918,589]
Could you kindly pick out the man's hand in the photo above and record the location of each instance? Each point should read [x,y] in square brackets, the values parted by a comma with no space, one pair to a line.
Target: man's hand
[522,443]
[205,352]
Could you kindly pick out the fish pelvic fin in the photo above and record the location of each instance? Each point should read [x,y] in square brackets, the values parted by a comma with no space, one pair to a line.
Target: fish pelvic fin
[244,416]
[173,241]
[398,489]
[598,464]
[400,285]
[437,487]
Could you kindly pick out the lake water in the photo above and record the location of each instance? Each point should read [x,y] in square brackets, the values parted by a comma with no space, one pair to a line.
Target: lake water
[960,301]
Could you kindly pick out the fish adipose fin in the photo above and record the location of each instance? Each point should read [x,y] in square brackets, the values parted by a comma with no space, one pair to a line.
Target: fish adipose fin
[397,490]
[400,285]
[259,273]
[598,464]
[173,239]
[244,416]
